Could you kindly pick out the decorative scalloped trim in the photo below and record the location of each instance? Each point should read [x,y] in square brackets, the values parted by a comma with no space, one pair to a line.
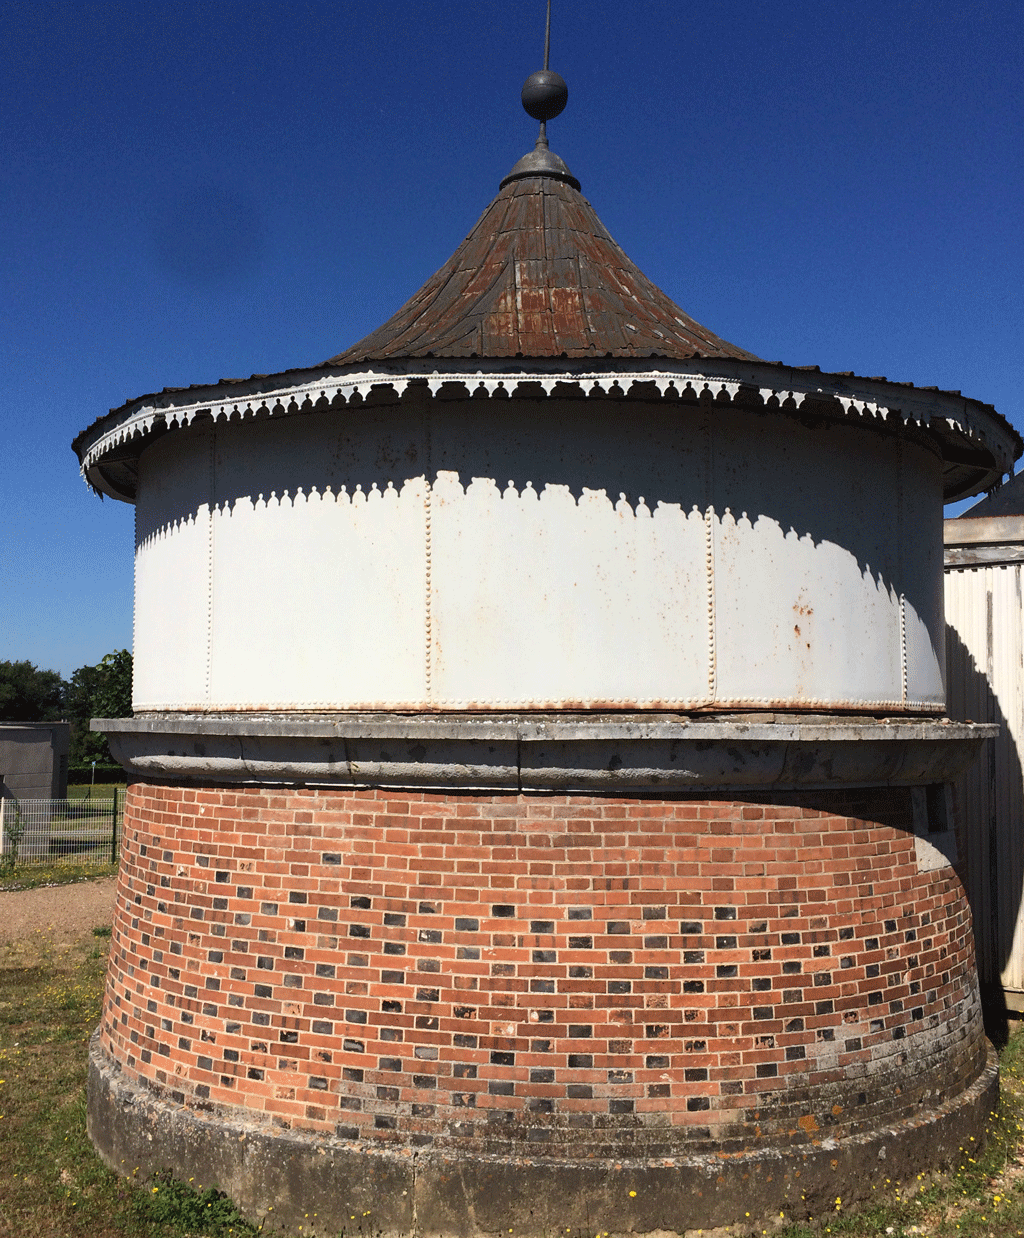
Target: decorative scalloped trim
[287,401]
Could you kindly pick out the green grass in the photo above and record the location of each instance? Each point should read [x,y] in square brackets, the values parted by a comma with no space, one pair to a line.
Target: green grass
[32,876]
[52,1183]
[82,829]
[101,791]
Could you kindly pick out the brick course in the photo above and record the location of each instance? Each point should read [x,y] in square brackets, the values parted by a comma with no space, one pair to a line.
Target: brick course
[540,975]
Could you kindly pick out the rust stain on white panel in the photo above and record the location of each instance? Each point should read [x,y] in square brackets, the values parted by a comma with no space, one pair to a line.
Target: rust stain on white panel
[807,578]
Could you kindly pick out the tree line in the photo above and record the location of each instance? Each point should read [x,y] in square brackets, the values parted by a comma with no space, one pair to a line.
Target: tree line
[29,694]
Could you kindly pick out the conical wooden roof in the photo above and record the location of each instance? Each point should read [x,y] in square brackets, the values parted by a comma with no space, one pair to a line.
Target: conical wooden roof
[539,276]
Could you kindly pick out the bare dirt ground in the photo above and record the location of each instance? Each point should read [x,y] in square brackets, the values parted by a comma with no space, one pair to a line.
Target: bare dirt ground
[59,913]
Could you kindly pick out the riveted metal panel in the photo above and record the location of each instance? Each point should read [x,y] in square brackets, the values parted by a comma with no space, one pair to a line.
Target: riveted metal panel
[567,561]
[172,572]
[319,582]
[537,554]
[807,565]
[921,576]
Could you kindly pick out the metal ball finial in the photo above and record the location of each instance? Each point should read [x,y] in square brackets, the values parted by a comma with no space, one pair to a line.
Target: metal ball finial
[545,94]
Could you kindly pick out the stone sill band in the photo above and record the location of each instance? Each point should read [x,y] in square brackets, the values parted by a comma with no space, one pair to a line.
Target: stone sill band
[597,754]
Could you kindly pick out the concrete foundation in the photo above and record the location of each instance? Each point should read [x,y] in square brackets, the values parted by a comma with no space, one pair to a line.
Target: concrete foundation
[329,1185]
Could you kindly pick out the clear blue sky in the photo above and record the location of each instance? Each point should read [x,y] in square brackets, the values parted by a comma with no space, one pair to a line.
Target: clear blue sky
[203,190]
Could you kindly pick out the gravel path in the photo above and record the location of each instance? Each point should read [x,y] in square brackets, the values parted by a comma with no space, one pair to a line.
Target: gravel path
[62,912]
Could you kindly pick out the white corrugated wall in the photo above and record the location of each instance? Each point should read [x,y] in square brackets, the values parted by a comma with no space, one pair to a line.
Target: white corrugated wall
[985,683]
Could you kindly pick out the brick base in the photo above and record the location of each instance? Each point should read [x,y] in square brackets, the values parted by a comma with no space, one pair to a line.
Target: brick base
[540,976]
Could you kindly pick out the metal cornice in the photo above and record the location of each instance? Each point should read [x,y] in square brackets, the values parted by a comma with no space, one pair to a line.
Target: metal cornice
[938,415]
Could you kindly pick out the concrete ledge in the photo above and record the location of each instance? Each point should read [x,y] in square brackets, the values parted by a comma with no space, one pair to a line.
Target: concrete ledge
[410,1192]
[545,753]
[981,530]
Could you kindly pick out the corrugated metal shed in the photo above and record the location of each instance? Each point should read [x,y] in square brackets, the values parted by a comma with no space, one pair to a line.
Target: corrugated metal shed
[984,591]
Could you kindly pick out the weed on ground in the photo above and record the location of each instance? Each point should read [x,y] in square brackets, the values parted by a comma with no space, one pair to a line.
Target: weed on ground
[52,1183]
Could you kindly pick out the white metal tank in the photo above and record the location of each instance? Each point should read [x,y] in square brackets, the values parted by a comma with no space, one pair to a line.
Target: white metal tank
[542,486]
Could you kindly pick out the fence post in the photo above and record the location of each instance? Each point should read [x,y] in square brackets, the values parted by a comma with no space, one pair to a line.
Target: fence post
[113,828]
[3,827]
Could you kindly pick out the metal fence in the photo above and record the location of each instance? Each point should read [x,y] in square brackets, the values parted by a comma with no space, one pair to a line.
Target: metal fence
[81,832]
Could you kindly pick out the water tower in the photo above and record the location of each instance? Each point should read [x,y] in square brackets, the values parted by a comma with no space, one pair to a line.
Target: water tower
[538,809]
